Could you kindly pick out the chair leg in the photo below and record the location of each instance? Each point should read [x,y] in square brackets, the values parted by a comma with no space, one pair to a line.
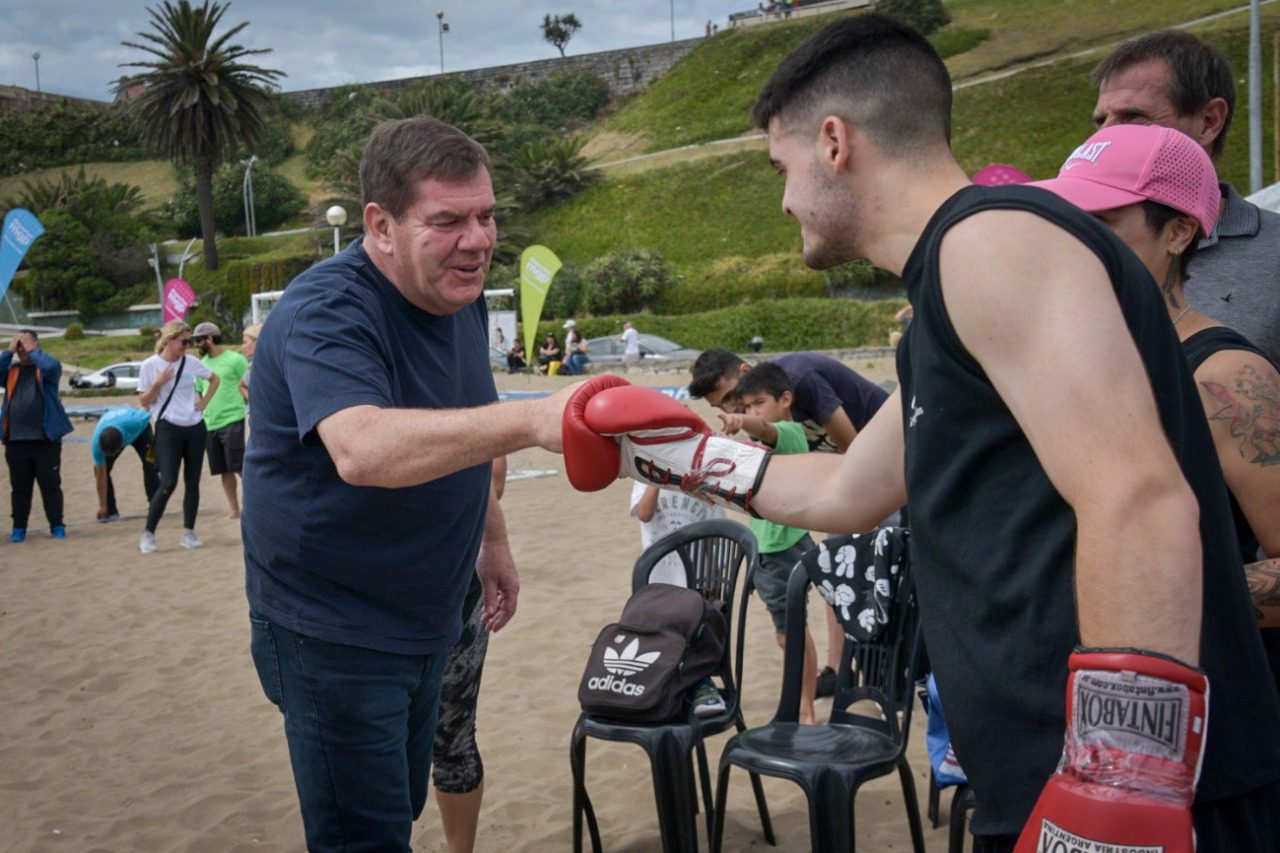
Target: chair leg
[704,777]
[766,825]
[935,794]
[675,797]
[722,796]
[831,821]
[913,807]
[582,802]
[961,802]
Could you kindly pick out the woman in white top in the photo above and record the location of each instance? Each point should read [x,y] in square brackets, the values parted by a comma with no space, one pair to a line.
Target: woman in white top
[166,388]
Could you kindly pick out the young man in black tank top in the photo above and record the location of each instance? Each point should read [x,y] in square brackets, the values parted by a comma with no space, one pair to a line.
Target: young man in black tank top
[1061,476]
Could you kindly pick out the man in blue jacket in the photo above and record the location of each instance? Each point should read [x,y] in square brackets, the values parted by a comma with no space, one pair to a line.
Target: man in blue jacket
[32,424]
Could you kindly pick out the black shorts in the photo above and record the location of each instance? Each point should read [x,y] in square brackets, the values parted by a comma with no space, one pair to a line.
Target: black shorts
[226,449]
[772,576]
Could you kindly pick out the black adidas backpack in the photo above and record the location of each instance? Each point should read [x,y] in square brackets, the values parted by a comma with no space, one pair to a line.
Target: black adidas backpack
[641,668]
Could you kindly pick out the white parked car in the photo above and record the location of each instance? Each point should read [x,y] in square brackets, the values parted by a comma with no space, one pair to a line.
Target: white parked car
[122,375]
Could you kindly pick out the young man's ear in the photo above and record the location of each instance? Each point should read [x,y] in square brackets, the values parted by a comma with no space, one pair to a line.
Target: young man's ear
[836,140]
[786,398]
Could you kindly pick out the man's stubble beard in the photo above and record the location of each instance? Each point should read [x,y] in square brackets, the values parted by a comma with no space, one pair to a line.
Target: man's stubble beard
[836,222]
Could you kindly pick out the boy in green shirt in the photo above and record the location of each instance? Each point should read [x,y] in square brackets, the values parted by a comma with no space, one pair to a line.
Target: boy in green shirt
[766,393]
[224,415]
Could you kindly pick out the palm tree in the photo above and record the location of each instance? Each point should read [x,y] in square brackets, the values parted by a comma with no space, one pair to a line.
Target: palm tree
[201,101]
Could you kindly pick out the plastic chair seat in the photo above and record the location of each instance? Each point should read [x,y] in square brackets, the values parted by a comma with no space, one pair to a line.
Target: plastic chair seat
[782,746]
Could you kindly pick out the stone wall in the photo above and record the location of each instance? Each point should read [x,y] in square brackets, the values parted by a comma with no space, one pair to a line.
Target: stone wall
[625,71]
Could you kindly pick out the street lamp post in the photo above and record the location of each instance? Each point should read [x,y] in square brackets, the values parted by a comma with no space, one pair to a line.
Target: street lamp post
[673,20]
[36,58]
[444,28]
[250,220]
[337,217]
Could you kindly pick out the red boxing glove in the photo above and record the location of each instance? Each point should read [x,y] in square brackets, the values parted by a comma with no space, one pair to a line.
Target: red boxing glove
[613,428]
[590,459]
[1136,724]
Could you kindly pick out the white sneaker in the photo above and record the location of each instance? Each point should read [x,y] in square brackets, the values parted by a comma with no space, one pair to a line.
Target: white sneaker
[147,544]
[189,540]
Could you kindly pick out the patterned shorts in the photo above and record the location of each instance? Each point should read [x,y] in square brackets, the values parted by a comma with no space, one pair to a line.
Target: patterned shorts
[456,765]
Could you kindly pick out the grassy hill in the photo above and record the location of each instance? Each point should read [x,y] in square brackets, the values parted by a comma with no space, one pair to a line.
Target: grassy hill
[701,212]
[156,178]
[707,94]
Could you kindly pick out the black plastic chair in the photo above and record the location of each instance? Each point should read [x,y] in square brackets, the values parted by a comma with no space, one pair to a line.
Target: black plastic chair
[714,554]
[831,761]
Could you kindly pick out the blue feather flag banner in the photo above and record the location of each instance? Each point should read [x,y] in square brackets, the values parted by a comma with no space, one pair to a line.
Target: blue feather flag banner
[21,228]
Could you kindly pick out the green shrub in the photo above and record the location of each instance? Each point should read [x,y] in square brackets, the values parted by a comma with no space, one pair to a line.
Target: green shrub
[227,303]
[627,282]
[736,280]
[67,132]
[565,296]
[550,170]
[787,325]
[564,100]
[859,279]
[275,200]
[74,332]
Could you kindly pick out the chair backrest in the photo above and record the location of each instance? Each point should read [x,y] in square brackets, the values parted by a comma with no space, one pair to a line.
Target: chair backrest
[714,554]
[878,670]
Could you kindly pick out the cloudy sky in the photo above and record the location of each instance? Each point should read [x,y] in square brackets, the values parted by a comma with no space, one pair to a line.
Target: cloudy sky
[331,42]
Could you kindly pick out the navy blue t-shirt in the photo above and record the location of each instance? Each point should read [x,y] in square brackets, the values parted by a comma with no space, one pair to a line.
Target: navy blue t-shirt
[823,385]
[373,567]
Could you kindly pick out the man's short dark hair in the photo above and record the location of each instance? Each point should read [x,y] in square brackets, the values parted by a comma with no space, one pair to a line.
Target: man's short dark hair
[401,154]
[877,74]
[31,332]
[1198,70]
[110,441]
[765,377]
[709,368]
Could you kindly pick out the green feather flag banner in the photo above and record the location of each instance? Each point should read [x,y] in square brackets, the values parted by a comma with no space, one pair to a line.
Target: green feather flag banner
[538,267]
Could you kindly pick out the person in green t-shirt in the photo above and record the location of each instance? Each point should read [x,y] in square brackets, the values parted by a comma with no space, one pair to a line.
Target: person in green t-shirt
[766,394]
[224,415]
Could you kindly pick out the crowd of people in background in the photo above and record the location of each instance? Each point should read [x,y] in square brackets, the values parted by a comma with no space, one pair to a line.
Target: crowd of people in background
[189,409]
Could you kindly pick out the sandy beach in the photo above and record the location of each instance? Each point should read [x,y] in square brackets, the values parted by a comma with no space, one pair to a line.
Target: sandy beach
[132,719]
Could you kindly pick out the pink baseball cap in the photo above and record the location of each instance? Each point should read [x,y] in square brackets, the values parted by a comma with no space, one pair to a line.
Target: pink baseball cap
[1130,163]
[999,175]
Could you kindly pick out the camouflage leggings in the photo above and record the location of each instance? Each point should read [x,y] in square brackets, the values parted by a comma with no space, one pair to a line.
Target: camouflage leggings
[456,766]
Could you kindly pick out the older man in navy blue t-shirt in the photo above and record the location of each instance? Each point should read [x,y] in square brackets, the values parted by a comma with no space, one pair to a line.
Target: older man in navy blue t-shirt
[366,484]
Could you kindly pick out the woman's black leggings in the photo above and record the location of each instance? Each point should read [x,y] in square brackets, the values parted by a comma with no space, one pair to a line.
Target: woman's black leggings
[178,446]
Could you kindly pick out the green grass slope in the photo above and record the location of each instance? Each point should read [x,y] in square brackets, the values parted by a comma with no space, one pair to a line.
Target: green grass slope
[156,178]
[706,95]
[700,213]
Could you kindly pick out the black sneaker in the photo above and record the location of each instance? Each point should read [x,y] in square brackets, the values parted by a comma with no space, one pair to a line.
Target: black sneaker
[826,683]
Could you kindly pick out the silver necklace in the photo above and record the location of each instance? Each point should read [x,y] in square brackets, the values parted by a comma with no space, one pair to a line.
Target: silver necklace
[1181,314]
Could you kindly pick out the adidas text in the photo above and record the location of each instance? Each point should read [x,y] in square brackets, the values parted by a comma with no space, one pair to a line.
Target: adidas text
[609,684]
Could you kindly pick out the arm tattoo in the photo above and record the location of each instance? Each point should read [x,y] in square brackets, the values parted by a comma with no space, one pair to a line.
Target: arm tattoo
[1263,578]
[1251,411]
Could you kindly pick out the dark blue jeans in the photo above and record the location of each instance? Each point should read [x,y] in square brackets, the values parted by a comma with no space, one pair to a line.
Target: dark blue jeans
[360,725]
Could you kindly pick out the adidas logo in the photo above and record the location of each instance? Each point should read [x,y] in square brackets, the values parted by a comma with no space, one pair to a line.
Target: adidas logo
[624,663]
[628,662]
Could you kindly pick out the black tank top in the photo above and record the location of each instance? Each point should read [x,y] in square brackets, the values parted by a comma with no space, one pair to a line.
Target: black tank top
[1197,349]
[994,542]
